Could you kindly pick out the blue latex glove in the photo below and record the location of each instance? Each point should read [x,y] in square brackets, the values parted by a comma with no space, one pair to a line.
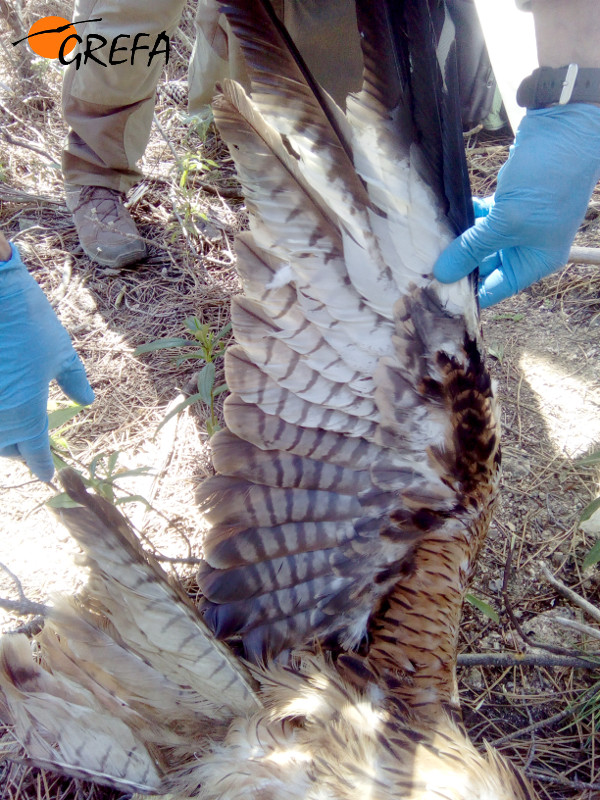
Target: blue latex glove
[525,230]
[34,349]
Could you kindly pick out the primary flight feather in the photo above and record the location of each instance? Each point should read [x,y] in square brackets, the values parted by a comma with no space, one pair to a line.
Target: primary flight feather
[354,483]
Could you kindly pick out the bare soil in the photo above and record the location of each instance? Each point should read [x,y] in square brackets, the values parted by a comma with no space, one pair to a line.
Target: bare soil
[544,350]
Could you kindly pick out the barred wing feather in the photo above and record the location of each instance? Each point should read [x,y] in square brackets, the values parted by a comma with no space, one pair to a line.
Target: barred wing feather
[354,480]
[345,444]
[132,675]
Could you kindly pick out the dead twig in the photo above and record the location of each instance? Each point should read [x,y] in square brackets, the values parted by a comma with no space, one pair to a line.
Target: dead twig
[11,15]
[561,781]
[28,146]
[11,195]
[232,192]
[580,627]
[560,651]
[571,595]
[173,560]
[23,605]
[549,721]
[31,628]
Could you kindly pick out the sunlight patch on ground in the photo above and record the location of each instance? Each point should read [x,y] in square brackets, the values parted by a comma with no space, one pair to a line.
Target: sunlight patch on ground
[569,404]
[33,544]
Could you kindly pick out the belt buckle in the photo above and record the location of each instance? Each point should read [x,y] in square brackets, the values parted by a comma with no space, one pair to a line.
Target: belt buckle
[568,84]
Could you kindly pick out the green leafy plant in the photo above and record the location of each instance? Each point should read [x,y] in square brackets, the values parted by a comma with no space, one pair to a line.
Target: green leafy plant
[102,473]
[191,212]
[496,351]
[593,556]
[199,124]
[59,418]
[589,461]
[516,317]
[207,345]
[482,606]
[103,470]
[586,708]
[197,164]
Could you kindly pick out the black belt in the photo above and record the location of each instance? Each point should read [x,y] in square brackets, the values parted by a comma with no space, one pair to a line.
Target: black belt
[548,86]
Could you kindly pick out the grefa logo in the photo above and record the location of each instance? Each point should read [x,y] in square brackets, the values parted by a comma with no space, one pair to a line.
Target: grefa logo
[56,37]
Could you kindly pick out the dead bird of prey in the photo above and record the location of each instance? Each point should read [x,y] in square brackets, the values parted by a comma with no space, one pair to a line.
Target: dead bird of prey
[355,479]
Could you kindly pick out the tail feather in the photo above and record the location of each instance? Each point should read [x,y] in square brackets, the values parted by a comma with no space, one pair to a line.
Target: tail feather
[130,587]
[63,727]
[87,649]
[134,681]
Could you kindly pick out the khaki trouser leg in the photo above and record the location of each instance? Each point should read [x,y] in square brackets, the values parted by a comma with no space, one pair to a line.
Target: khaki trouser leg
[324,32]
[109,109]
[216,56]
[326,35]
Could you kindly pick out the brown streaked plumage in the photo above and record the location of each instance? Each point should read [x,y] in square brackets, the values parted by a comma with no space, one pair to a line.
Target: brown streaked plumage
[355,480]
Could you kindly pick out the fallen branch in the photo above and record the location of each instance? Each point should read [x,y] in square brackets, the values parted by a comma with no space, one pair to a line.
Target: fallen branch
[580,627]
[174,560]
[10,195]
[11,15]
[526,637]
[561,781]
[584,255]
[31,628]
[23,605]
[232,192]
[527,660]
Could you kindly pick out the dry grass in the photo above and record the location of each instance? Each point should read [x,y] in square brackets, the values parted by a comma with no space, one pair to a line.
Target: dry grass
[530,712]
[535,714]
[189,272]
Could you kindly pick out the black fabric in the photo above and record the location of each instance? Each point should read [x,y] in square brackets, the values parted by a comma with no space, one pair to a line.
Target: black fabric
[475,75]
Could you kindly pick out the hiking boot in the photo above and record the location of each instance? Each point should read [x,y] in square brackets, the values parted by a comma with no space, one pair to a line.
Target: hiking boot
[106,231]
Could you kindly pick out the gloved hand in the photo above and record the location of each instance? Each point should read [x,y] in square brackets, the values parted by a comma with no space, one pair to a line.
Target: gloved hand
[34,349]
[524,231]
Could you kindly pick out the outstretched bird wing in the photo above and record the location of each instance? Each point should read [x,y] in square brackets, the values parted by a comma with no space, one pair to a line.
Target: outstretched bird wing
[361,418]
[131,672]
[354,480]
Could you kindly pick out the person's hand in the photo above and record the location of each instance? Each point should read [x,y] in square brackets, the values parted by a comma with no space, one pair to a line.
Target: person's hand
[34,349]
[524,231]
